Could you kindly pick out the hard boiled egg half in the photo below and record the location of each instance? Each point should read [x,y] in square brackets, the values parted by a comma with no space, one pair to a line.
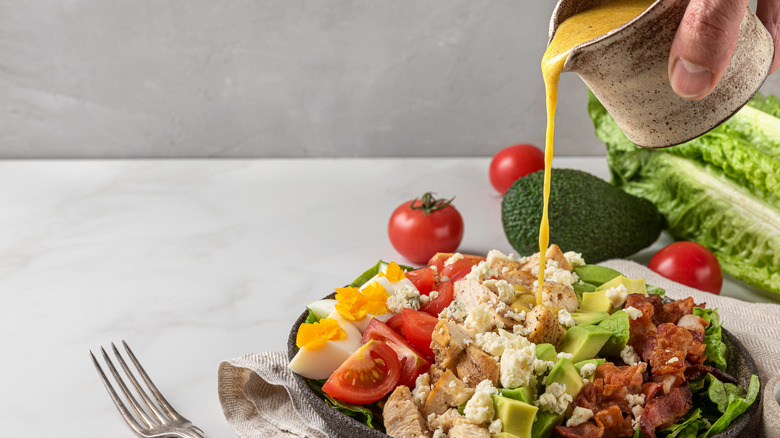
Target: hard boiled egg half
[323,347]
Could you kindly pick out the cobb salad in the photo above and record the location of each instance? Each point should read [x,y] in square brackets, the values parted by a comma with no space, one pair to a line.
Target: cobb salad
[466,347]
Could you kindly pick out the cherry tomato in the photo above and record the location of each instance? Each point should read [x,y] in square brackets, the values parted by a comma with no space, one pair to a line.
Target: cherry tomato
[511,163]
[420,228]
[424,279]
[443,299]
[456,270]
[412,362]
[690,264]
[418,328]
[367,375]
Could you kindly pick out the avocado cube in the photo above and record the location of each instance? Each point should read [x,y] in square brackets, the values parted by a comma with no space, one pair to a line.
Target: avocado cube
[503,435]
[545,423]
[546,352]
[595,274]
[595,302]
[587,318]
[565,373]
[524,394]
[516,417]
[634,286]
[618,325]
[584,342]
[581,287]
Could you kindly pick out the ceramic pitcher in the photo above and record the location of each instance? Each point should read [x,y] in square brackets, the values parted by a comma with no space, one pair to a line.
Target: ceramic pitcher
[627,70]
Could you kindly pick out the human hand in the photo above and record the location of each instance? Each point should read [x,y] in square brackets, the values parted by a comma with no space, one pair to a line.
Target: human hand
[706,39]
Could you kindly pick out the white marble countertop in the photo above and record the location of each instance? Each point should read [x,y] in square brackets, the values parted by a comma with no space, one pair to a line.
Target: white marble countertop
[193,262]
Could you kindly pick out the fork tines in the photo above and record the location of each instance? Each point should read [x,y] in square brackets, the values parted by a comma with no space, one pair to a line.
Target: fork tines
[152,417]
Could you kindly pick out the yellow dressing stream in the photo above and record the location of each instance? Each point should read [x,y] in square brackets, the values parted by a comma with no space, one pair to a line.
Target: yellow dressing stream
[575,30]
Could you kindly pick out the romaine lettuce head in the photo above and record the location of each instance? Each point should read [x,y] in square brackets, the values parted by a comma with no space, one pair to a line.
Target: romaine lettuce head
[721,189]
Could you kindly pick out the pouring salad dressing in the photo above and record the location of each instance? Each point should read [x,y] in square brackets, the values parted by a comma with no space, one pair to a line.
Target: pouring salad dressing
[575,30]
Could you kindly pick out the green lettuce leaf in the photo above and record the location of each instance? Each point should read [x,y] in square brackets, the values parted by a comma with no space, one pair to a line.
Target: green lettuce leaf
[715,349]
[736,406]
[312,318]
[655,290]
[688,427]
[721,189]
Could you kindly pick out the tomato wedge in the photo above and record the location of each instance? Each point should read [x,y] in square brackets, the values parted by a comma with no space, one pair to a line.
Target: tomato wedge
[443,299]
[424,279]
[412,362]
[367,375]
[396,322]
[418,328]
[456,270]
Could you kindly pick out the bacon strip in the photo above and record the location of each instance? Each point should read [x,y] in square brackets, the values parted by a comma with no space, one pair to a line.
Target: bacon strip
[613,423]
[642,327]
[673,311]
[623,376]
[666,409]
[666,350]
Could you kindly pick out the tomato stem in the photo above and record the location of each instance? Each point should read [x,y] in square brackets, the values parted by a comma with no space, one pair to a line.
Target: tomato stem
[429,204]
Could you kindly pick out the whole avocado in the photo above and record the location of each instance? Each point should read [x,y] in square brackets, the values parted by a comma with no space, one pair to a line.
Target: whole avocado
[586,214]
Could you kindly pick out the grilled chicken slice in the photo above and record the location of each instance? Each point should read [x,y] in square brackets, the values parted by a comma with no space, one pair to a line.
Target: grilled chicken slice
[401,416]
[559,295]
[472,294]
[543,326]
[519,277]
[448,391]
[476,366]
[449,343]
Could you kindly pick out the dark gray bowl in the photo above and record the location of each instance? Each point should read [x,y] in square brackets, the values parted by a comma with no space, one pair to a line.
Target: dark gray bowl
[740,365]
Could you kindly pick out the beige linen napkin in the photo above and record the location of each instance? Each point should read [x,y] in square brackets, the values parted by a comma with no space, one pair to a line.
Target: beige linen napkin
[261,400]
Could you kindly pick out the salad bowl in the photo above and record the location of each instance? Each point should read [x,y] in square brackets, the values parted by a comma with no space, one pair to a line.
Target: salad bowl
[740,366]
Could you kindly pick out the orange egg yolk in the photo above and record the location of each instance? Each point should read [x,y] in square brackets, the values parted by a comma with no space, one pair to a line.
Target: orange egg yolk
[354,304]
[316,335]
[393,273]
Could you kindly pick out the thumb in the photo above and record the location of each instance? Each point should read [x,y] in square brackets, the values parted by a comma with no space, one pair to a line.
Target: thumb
[703,46]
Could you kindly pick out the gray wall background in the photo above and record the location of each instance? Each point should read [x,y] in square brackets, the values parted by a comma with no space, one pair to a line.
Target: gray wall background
[279,78]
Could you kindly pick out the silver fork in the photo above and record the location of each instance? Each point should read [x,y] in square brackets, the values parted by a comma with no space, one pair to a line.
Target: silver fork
[164,421]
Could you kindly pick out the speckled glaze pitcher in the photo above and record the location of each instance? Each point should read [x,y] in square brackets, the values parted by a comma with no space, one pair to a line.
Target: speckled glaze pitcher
[627,70]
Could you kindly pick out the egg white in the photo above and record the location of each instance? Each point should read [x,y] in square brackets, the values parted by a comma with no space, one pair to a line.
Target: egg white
[322,362]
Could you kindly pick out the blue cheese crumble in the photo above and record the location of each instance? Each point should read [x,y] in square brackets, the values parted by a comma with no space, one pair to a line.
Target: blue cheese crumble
[405,297]
[555,399]
[629,356]
[633,313]
[617,295]
[565,318]
[578,416]
[505,291]
[479,320]
[456,311]
[517,367]
[479,409]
